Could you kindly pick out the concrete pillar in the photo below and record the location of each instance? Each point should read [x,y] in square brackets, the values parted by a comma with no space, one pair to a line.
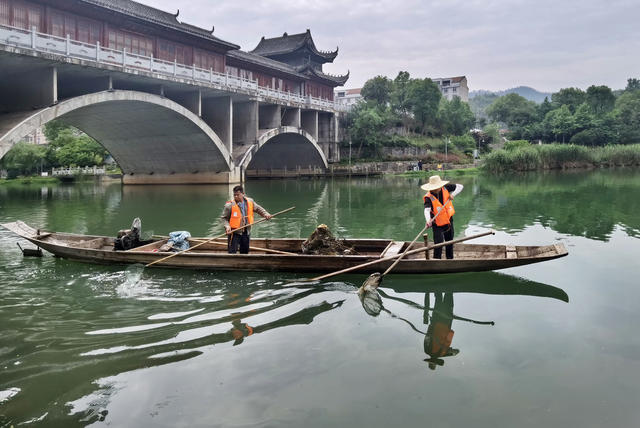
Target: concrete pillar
[245,122]
[191,100]
[324,127]
[310,122]
[269,116]
[291,116]
[218,114]
[30,90]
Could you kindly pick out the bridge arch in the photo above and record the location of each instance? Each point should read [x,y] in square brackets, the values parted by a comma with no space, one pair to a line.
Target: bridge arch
[284,147]
[145,133]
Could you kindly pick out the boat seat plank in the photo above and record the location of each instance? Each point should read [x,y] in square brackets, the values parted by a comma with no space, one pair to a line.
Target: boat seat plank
[392,249]
[511,252]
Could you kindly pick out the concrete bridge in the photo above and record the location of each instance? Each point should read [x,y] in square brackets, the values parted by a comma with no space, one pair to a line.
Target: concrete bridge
[162,122]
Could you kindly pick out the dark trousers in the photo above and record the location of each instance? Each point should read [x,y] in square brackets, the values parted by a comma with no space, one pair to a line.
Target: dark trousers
[236,240]
[441,234]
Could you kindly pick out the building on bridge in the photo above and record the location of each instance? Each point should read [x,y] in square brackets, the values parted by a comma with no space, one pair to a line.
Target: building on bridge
[170,101]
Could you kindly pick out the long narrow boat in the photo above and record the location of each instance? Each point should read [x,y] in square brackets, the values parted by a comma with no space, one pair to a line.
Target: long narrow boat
[213,256]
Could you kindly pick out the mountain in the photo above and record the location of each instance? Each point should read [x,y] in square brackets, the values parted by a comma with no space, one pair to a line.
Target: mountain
[524,91]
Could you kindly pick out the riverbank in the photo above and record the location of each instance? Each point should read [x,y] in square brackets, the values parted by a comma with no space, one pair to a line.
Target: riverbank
[560,156]
[29,180]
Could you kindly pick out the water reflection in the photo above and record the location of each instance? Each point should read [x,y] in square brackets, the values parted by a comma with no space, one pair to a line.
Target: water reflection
[439,334]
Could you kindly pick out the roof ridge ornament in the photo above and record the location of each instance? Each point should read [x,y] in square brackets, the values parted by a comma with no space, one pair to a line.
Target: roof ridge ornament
[177,13]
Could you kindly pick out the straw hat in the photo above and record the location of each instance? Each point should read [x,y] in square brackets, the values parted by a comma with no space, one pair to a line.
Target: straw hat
[435,182]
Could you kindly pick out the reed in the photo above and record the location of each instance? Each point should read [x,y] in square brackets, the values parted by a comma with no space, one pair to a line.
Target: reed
[560,156]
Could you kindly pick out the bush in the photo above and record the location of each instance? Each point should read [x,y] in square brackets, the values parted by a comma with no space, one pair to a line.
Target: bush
[516,144]
[464,143]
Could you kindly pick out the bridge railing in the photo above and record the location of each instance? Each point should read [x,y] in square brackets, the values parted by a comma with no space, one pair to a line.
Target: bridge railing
[74,49]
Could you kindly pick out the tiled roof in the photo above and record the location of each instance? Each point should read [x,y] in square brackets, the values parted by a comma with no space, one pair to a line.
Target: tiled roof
[265,62]
[291,43]
[157,16]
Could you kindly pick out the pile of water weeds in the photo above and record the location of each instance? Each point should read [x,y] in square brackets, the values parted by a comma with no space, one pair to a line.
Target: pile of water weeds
[322,242]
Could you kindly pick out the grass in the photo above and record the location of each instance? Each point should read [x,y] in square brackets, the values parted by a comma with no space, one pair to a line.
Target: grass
[449,173]
[561,156]
[29,180]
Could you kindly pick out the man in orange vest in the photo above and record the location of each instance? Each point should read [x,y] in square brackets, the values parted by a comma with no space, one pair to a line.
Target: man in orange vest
[438,211]
[238,213]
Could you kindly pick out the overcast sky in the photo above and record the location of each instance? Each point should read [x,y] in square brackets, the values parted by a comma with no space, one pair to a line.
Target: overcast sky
[497,44]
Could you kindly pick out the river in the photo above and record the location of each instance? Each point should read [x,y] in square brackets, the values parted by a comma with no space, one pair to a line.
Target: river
[86,344]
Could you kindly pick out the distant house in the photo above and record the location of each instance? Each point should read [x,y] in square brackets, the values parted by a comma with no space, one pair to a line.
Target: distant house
[449,86]
[348,97]
[453,87]
[36,137]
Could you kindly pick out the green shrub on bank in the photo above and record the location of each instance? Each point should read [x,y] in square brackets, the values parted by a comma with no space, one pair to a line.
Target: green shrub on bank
[560,156]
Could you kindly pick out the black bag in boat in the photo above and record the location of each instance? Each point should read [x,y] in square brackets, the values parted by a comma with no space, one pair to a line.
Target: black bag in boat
[129,238]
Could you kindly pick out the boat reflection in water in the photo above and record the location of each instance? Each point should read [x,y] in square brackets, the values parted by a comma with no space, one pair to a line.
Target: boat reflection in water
[438,337]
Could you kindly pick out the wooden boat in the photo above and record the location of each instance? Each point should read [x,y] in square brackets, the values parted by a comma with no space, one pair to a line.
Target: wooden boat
[213,256]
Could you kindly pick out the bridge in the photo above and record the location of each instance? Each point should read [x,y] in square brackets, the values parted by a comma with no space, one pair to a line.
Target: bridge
[165,121]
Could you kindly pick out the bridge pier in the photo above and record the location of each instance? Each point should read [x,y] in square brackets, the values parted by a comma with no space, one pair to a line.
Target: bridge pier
[218,114]
[269,116]
[191,100]
[310,122]
[291,116]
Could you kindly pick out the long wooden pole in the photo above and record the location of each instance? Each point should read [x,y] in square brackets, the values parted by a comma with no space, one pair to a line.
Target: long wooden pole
[266,250]
[386,259]
[217,237]
[412,242]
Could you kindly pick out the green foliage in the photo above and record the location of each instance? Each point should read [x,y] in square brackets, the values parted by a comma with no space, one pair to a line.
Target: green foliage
[516,145]
[423,100]
[464,143]
[628,117]
[513,110]
[560,156]
[633,84]
[562,122]
[377,90]
[53,128]
[400,93]
[24,159]
[480,103]
[455,116]
[571,97]
[600,99]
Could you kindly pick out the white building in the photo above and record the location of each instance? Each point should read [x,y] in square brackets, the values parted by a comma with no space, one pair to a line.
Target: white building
[453,87]
[36,137]
[347,97]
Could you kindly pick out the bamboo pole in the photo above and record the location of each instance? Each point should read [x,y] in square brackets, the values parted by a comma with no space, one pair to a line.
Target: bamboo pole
[386,259]
[216,237]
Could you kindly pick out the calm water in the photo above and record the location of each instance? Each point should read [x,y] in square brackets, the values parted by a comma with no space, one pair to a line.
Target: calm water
[89,345]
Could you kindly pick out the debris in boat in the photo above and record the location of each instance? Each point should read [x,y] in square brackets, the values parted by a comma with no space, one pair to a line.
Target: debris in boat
[130,238]
[322,242]
[178,241]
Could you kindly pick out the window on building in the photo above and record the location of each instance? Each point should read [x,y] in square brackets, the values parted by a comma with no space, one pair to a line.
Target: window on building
[5,12]
[27,16]
[454,89]
[169,51]
[341,94]
[207,60]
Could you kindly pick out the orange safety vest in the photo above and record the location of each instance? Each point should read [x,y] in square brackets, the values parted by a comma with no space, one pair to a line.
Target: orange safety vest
[443,218]
[236,214]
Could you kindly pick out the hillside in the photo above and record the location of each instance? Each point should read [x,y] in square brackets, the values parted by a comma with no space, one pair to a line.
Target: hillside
[524,91]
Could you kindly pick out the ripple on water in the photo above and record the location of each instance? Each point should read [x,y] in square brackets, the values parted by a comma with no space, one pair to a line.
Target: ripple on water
[8,394]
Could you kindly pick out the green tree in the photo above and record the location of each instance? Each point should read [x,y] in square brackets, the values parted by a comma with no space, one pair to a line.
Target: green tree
[513,109]
[563,123]
[455,117]
[600,99]
[544,108]
[583,118]
[633,84]
[571,97]
[424,98]
[628,117]
[367,125]
[71,149]
[53,128]
[24,159]
[377,90]
[400,93]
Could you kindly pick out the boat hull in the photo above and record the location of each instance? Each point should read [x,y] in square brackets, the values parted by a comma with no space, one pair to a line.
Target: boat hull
[469,257]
